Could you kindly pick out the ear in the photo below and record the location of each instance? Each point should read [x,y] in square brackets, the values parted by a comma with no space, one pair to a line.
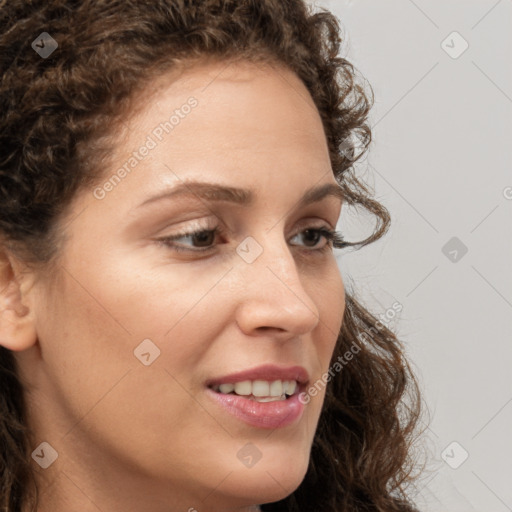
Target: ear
[17,326]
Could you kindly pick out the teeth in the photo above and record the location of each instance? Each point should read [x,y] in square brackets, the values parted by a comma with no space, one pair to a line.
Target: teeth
[243,388]
[262,390]
[226,388]
[276,388]
[290,387]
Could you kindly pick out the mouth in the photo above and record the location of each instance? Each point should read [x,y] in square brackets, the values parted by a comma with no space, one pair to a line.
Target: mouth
[260,390]
[264,397]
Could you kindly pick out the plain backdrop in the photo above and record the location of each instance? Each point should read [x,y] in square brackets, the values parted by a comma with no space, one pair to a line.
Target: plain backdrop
[440,161]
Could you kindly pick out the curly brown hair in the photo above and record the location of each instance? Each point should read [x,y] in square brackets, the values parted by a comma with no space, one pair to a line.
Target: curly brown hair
[56,117]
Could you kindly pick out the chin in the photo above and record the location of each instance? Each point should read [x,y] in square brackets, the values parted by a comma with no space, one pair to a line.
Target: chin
[271,479]
[262,488]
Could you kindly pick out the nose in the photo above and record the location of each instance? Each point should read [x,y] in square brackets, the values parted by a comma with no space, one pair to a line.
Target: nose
[273,299]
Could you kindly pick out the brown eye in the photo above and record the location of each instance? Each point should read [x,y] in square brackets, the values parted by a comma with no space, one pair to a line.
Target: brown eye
[312,235]
[201,240]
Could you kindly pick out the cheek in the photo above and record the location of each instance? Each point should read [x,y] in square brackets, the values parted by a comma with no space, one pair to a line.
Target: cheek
[91,327]
[329,293]
[330,300]
[84,350]
[97,316]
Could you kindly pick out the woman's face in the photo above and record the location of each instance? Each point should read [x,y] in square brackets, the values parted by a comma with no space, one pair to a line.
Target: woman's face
[140,342]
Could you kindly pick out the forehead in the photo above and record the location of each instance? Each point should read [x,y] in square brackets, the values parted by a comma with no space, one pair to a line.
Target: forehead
[253,126]
[238,105]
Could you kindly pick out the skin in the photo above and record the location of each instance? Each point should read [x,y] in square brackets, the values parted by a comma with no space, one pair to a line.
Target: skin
[132,437]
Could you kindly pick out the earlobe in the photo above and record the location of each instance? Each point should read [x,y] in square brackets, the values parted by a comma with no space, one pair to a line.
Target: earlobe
[17,326]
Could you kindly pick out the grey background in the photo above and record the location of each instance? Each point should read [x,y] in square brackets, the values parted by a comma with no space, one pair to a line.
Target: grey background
[440,162]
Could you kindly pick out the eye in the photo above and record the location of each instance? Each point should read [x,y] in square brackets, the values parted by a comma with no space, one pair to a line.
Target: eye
[202,240]
[312,236]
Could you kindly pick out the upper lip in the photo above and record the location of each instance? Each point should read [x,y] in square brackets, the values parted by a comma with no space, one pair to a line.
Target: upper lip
[268,372]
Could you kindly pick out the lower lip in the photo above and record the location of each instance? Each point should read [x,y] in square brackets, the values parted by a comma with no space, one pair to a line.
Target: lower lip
[271,415]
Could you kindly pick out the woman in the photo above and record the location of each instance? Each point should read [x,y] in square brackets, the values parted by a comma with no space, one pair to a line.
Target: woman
[175,333]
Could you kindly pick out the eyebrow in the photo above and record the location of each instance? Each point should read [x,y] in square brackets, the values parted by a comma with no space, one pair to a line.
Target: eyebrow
[241,196]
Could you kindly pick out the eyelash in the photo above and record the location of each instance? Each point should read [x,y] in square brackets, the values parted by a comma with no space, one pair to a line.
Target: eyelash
[334,239]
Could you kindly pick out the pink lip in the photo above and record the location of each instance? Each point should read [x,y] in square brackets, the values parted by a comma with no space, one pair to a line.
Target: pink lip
[261,414]
[265,372]
[268,415]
